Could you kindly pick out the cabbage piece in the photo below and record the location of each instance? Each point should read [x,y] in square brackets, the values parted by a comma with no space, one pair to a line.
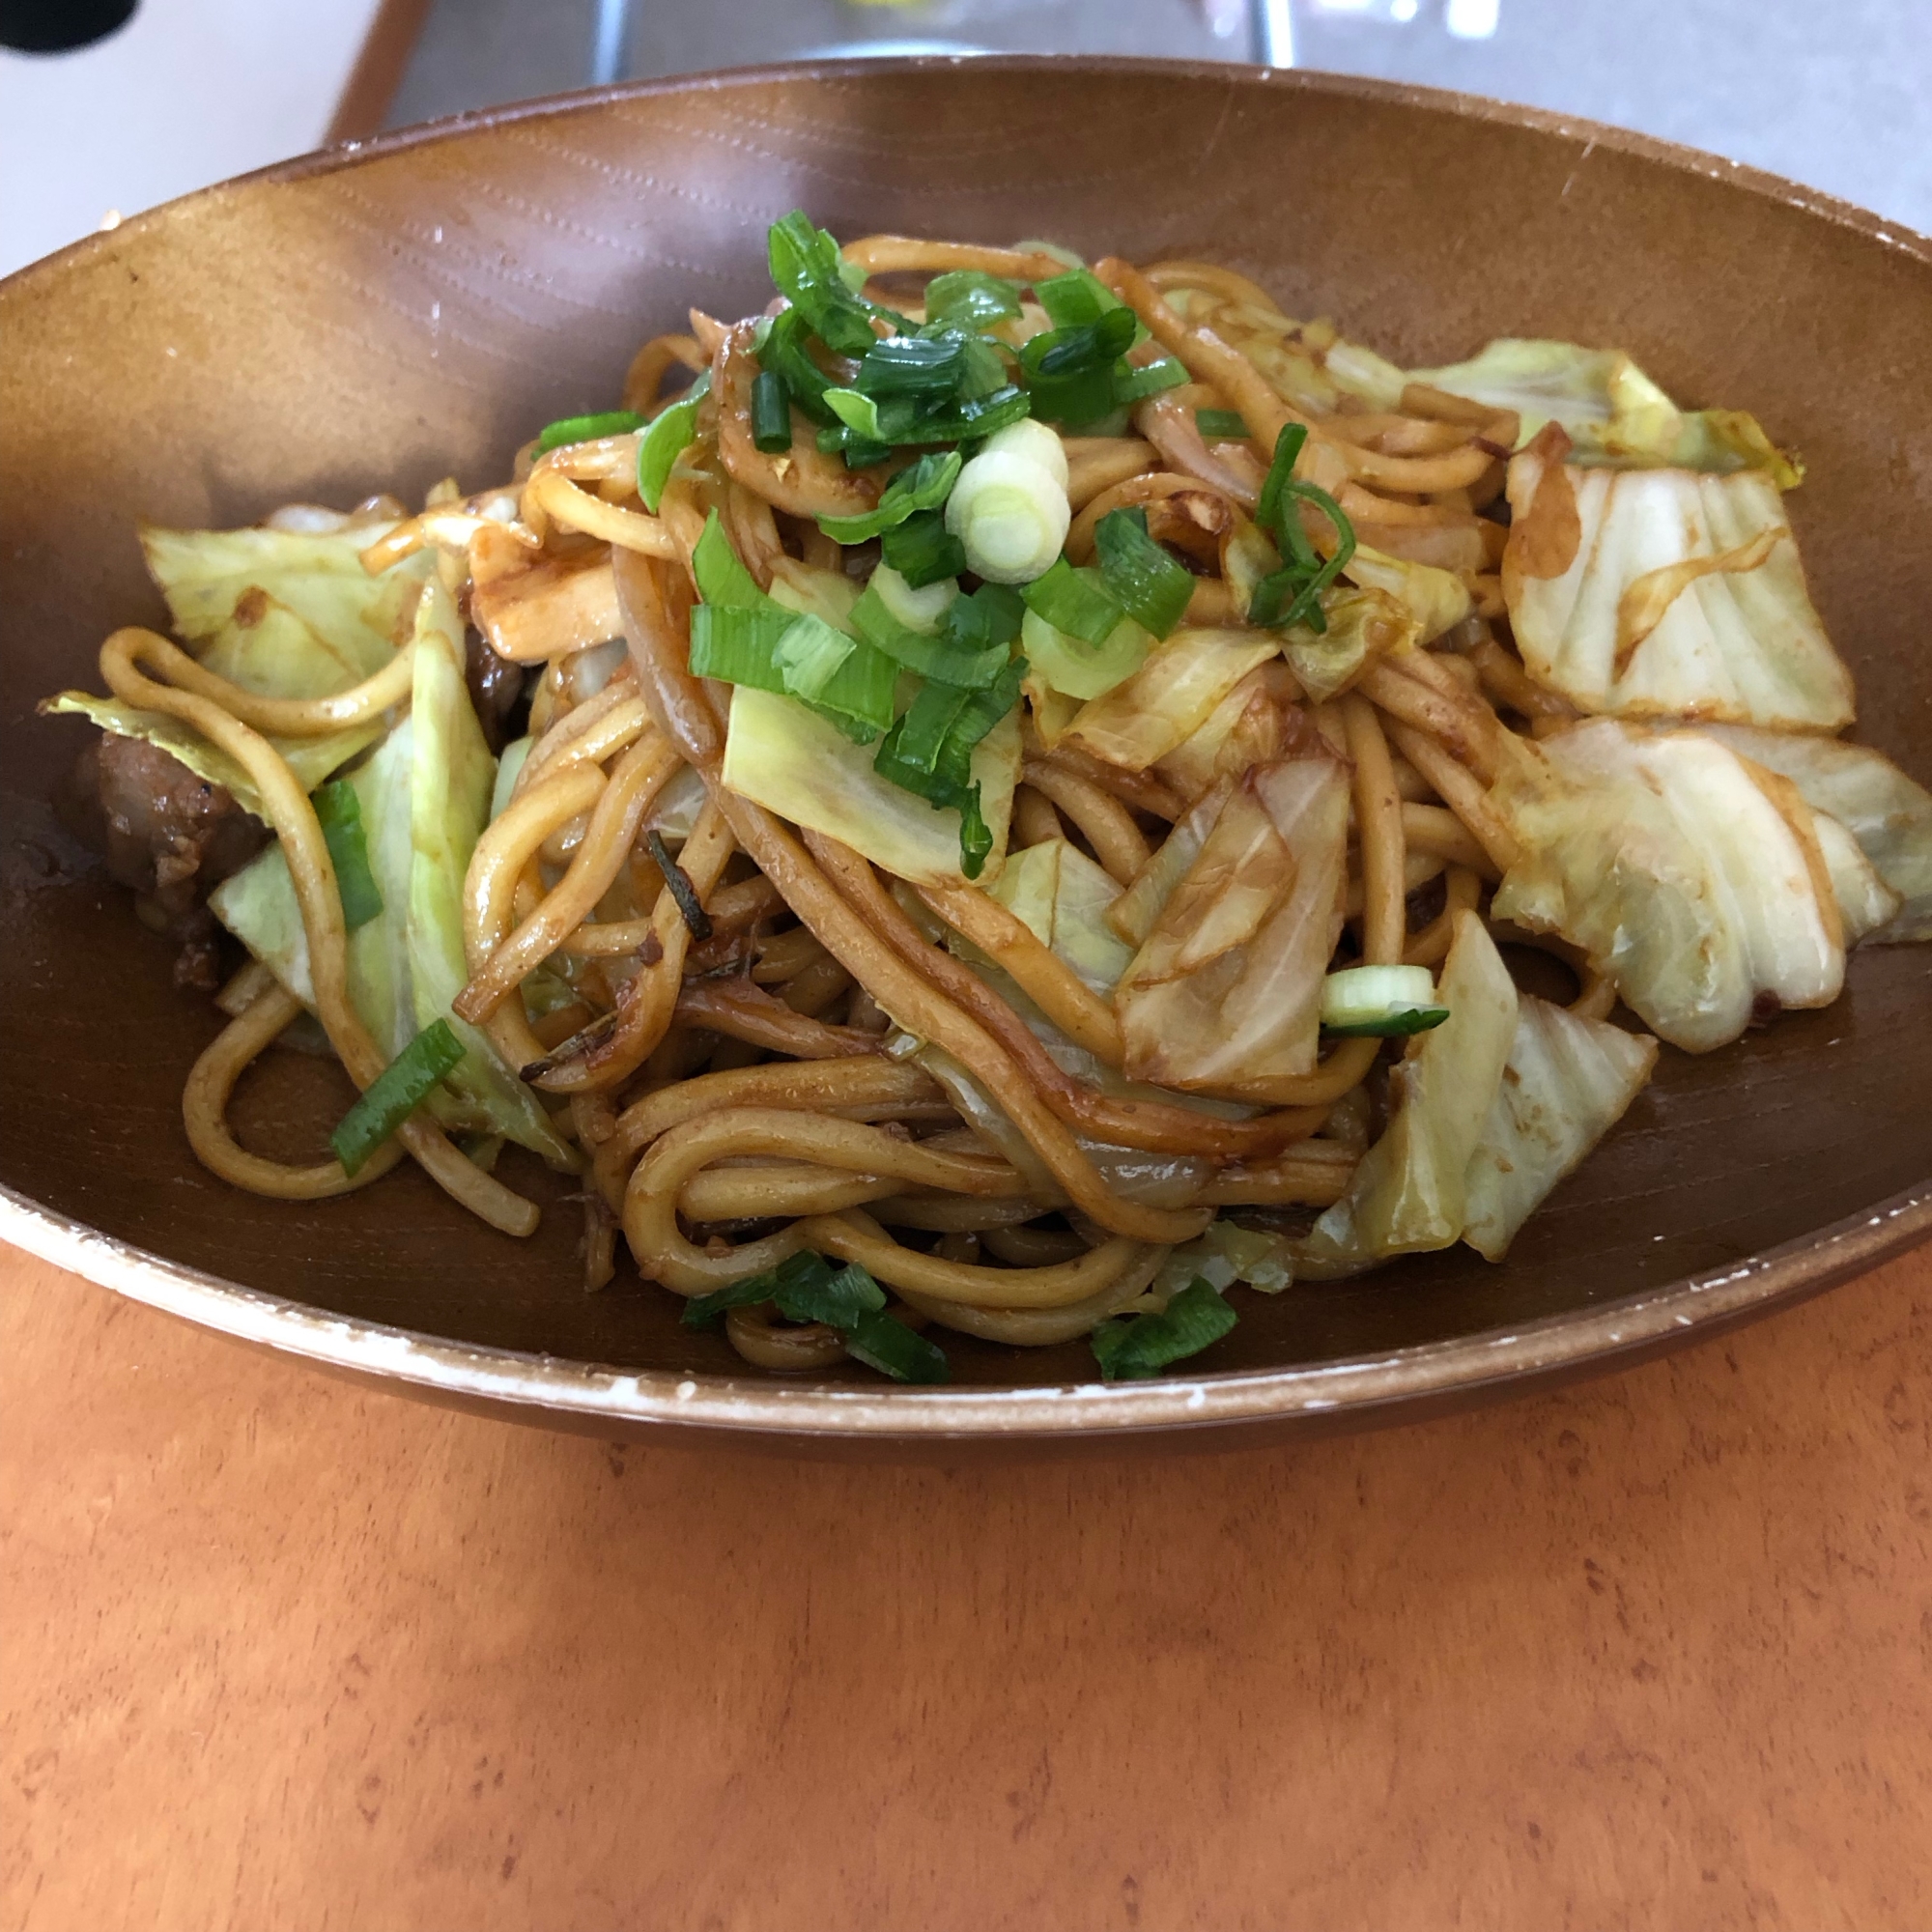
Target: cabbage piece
[1223,1254]
[1866,904]
[1132,915]
[281,613]
[1888,813]
[1063,899]
[1567,1081]
[1363,626]
[1667,862]
[310,759]
[1410,1191]
[1225,994]
[1667,594]
[1610,410]
[1254,725]
[425,795]
[784,756]
[1438,600]
[1170,696]
[215,580]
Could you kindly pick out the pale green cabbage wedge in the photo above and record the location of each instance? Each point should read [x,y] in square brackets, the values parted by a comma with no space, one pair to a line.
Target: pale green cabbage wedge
[1665,861]
[1612,412]
[1567,1081]
[1888,813]
[1224,995]
[424,794]
[782,755]
[1410,1191]
[1063,899]
[1683,598]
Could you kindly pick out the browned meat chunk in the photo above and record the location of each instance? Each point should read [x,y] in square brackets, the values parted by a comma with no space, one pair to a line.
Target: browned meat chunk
[169,835]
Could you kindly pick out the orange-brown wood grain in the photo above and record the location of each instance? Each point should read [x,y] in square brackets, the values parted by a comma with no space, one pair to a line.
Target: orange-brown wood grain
[1652,1650]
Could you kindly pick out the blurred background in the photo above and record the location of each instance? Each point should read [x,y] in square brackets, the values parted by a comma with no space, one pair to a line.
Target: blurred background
[187,92]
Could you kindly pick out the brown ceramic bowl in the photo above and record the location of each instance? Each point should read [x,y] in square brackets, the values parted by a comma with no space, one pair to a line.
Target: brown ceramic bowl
[372,318]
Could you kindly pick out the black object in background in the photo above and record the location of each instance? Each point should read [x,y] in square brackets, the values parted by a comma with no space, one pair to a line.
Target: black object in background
[54,26]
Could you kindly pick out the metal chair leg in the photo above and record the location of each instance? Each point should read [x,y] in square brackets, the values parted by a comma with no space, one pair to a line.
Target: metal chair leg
[612,42]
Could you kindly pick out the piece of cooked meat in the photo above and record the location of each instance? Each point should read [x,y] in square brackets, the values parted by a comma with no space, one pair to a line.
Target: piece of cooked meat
[495,688]
[169,835]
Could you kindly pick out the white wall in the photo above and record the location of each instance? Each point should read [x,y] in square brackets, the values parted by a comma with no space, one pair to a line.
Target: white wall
[189,92]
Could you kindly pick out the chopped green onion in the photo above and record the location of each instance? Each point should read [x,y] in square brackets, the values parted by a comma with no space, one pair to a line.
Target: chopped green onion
[923,485]
[805,266]
[978,415]
[1074,601]
[892,1349]
[934,657]
[1141,577]
[587,429]
[1281,469]
[991,616]
[794,1273]
[983,369]
[671,432]
[804,1288]
[808,655]
[1379,1001]
[722,577]
[771,413]
[1293,594]
[395,1093]
[1070,372]
[1143,1345]
[1221,425]
[1078,669]
[920,610]
[946,788]
[784,354]
[911,365]
[859,697]
[339,812]
[677,883]
[926,729]
[1010,512]
[861,415]
[840,1300]
[739,644]
[966,299]
[923,550]
[1135,382]
[1074,299]
[983,708]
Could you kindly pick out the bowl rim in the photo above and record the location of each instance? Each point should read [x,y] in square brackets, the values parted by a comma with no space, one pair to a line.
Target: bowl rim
[1398,1382]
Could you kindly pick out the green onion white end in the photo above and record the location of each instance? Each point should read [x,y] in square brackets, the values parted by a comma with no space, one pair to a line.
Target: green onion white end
[919,610]
[1380,1001]
[1009,507]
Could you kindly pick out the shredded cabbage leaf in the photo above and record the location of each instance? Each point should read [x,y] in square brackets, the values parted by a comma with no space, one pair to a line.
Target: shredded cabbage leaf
[425,795]
[1887,812]
[1611,411]
[1566,1084]
[1437,600]
[1171,697]
[280,614]
[1225,992]
[1676,872]
[1410,1190]
[1362,627]
[1666,593]
[784,756]
[1063,899]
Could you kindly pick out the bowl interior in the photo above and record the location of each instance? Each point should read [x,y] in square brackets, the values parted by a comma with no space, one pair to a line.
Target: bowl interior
[344,325]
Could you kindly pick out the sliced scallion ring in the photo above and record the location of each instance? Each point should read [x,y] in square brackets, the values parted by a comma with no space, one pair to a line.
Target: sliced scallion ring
[1379,1001]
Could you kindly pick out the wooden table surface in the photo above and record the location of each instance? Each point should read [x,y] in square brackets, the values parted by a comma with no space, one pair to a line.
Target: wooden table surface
[283,1653]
